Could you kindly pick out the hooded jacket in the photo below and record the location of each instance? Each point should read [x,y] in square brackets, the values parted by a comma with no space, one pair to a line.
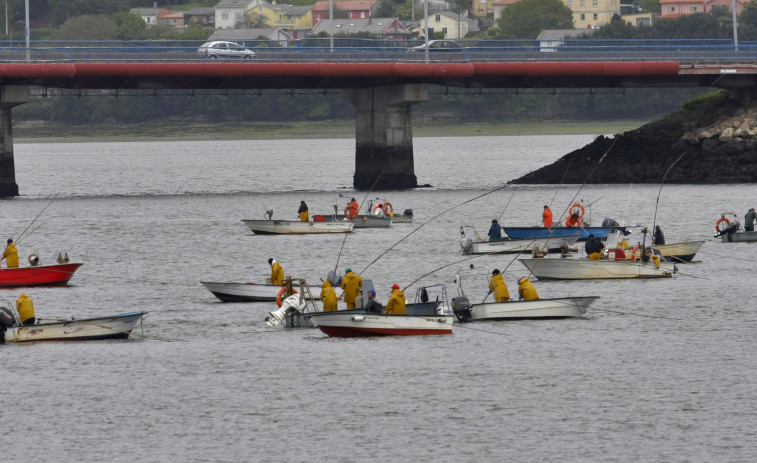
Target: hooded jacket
[328,296]
[396,304]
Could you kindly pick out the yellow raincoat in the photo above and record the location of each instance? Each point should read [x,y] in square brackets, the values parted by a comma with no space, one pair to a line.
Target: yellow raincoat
[526,289]
[396,304]
[25,308]
[499,288]
[328,296]
[11,255]
[277,273]
[351,284]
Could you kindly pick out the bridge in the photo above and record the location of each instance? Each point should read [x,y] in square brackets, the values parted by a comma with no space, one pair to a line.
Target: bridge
[382,82]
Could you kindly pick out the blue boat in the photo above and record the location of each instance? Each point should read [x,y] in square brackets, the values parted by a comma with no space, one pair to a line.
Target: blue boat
[542,232]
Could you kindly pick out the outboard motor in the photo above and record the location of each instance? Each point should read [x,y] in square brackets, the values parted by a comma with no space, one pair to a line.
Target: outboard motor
[466,245]
[33,259]
[408,212]
[461,308]
[608,222]
[6,321]
[290,309]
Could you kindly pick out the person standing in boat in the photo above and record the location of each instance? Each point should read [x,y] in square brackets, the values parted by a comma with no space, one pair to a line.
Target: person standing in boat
[546,217]
[749,220]
[11,254]
[498,287]
[594,247]
[573,220]
[25,308]
[396,304]
[277,273]
[352,209]
[373,305]
[658,237]
[303,211]
[351,284]
[328,296]
[495,231]
[526,290]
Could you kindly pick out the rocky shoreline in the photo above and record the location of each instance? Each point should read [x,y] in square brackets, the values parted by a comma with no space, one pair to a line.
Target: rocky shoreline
[718,141]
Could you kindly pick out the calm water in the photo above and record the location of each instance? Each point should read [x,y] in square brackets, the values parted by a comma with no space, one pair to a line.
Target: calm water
[658,371]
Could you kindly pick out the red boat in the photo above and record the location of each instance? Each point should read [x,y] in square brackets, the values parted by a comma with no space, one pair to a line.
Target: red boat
[40,275]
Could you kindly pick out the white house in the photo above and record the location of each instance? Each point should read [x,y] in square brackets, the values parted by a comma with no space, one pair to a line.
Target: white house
[230,13]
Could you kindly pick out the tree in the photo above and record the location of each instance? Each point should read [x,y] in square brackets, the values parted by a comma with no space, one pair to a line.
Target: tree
[527,18]
[87,27]
[130,26]
[615,29]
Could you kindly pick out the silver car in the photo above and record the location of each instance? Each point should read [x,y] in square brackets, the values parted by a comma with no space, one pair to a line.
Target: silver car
[224,50]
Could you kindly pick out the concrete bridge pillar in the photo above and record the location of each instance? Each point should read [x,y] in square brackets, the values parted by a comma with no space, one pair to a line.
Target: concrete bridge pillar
[384,136]
[10,96]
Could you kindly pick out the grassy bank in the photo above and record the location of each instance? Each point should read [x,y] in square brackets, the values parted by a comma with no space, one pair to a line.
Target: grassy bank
[40,132]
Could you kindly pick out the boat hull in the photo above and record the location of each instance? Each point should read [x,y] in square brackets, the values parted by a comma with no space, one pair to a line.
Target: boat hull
[562,307]
[739,237]
[517,246]
[362,221]
[585,269]
[680,252]
[87,329]
[541,232]
[42,275]
[353,325]
[242,292]
[295,227]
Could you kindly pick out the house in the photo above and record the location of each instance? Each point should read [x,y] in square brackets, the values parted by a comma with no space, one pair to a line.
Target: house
[588,14]
[550,39]
[281,15]
[168,18]
[384,28]
[500,5]
[230,13]
[202,16]
[674,9]
[482,8]
[452,25]
[148,15]
[242,36]
[356,9]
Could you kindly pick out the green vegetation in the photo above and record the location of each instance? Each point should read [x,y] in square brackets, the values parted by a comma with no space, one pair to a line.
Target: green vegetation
[705,100]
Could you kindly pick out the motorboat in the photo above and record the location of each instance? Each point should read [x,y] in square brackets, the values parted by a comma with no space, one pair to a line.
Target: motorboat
[683,251]
[296,227]
[561,307]
[732,232]
[559,232]
[739,237]
[85,329]
[249,291]
[585,269]
[507,245]
[361,221]
[38,275]
[423,317]
[383,208]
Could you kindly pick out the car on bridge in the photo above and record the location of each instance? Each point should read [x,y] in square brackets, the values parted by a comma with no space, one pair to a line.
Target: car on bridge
[438,46]
[224,50]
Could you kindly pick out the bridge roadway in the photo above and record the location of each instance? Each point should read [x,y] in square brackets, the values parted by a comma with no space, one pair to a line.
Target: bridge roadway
[364,75]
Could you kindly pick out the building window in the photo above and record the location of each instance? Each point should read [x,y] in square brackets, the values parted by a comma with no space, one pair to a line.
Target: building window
[480,10]
[594,2]
[671,9]
[444,31]
[280,17]
[596,16]
[693,8]
[260,9]
[318,16]
[362,15]
[570,3]
[238,15]
[224,15]
[583,17]
[582,3]
[438,18]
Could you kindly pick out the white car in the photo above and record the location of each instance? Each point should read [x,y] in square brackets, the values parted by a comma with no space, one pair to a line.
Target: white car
[224,50]
[438,46]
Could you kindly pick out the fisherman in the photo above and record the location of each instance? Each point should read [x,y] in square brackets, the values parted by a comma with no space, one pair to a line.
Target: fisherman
[546,217]
[495,231]
[573,220]
[373,305]
[352,209]
[303,211]
[11,254]
[526,290]
[498,287]
[25,308]
[328,296]
[749,220]
[658,237]
[378,210]
[396,304]
[351,284]
[277,273]
[594,247]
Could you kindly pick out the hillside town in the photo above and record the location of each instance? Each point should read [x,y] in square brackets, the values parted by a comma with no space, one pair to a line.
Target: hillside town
[239,20]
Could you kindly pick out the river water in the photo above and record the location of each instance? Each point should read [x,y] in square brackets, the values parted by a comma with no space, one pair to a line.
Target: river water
[657,371]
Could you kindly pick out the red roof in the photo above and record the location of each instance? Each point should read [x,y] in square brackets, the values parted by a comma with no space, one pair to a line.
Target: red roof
[345,5]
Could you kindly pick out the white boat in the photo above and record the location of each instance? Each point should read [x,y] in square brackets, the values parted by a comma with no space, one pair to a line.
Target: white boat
[679,252]
[405,217]
[295,227]
[585,269]
[85,329]
[348,324]
[739,237]
[507,245]
[249,292]
[732,232]
[361,221]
